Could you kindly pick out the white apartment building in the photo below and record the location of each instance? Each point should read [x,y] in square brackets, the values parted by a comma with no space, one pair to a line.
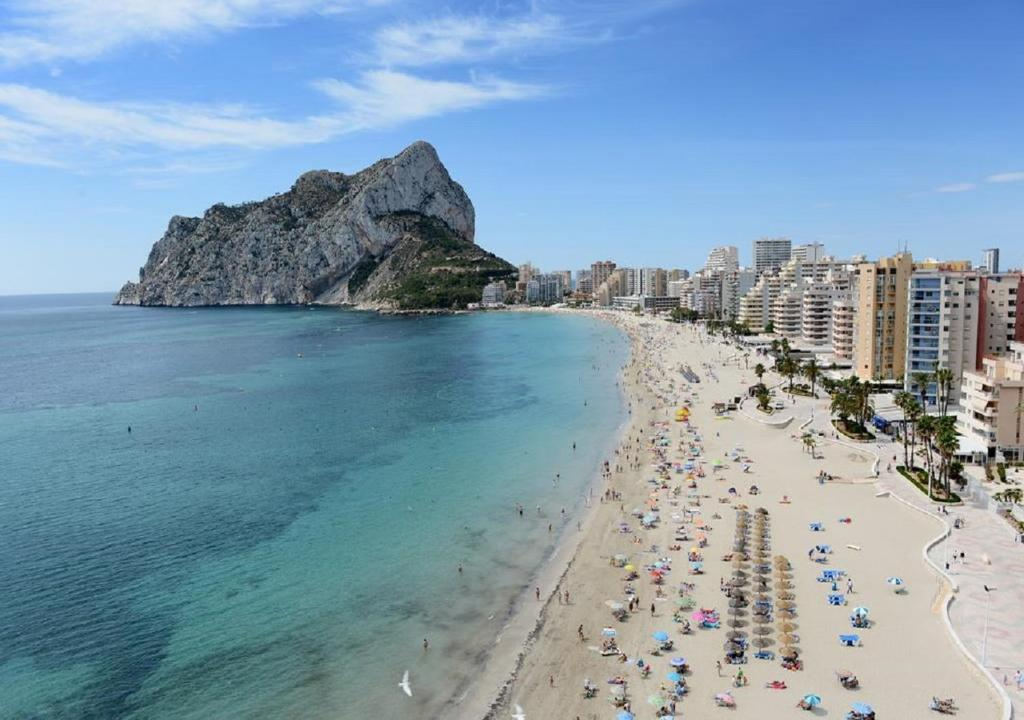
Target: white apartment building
[787,309]
[811,252]
[992,404]
[818,311]
[844,321]
[723,259]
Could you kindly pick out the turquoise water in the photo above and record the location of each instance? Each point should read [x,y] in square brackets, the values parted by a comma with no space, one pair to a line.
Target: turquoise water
[277,534]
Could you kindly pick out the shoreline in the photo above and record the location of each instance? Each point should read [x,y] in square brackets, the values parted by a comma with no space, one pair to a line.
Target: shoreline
[542,651]
[482,697]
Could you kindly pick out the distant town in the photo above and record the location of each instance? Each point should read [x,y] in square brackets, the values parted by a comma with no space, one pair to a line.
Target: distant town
[945,333]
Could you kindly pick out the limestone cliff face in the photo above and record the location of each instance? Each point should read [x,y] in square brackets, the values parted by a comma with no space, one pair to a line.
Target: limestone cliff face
[398,234]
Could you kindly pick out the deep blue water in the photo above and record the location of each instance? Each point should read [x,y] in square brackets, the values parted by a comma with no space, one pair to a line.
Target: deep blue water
[277,534]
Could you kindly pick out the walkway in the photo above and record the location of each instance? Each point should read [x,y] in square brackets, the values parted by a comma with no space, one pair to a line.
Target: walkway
[990,624]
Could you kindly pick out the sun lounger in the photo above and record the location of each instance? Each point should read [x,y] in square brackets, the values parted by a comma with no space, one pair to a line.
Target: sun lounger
[849,640]
[836,599]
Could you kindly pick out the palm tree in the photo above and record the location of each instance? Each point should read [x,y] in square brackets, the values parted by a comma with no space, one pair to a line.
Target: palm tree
[902,400]
[842,403]
[926,429]
[811,372]
[944,388]
[759,370]
[789,367]
[947,442]
[920,381]
[763,398]
[912,413]
[809,443]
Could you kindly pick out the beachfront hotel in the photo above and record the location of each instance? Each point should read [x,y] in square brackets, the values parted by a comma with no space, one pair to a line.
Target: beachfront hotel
[992,404]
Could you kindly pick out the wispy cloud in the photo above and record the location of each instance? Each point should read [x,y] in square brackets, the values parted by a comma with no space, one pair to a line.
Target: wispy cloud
[48,31]
[1006,177]
[465,38]
[956,187]
[50,129]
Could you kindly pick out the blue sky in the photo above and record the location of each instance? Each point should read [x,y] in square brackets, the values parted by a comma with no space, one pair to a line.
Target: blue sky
[644,132]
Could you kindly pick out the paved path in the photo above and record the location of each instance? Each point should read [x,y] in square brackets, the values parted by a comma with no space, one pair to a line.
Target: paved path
[991,557]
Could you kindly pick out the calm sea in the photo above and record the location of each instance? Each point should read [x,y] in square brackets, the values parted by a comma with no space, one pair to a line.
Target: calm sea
[282,526]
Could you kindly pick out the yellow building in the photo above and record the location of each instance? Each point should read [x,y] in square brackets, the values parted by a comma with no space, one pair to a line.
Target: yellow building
[880,334]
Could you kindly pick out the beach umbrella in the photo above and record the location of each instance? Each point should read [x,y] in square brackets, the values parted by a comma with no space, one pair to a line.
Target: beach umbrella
[784,585]
[762,642]
[789,652]
[608,632]
[761,619]
[624,715]
[677,662]
[860,612]
[862,708]
[736,635]
[737,611]
[762,630]
[696,565]
[812,700]
[656,700]
[615,605]
[698,616]
[621,558]
[787,596]
[673,677]
[739,573]
[894,581]
[630,568]
[732,646]
[661,636]
[738,561]
[786,626]
[737,582]
[786,604]
[788,640]
[736,603]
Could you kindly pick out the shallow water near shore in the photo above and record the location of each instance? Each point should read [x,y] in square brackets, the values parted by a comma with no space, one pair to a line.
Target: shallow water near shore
[277,534]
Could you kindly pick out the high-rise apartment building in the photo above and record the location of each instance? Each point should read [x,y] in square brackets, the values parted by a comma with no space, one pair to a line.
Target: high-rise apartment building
[723,259]
[880,333]
[600,272]
[990,259]
[956,318]
[771,254]
[811,252]
[843,320]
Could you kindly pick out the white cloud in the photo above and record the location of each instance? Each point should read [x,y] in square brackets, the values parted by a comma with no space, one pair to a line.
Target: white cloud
[47,31]
[956,187]
[464,39]
[45,128]
[1006,177]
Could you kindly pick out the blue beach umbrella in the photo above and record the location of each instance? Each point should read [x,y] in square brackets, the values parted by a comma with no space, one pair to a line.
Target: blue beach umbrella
[812,700]
[862,708]
[673,677]
[625,716]
[677,662]
[696,565]
[894,581]
[608,632]
[661,636]
[860,611]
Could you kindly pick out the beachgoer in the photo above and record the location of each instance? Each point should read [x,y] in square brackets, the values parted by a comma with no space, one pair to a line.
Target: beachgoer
[718,666]
[426,645]
[652,609]
[536,592]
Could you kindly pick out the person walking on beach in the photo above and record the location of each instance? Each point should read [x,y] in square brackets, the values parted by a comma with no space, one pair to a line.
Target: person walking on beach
[426,645]
[536,593]
[849,586]
[718,667]
[652,609]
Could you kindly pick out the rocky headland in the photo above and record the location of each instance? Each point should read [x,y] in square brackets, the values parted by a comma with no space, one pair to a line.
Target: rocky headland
[398,235]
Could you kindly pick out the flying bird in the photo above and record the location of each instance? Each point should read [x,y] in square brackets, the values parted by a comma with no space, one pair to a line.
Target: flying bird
[405,684]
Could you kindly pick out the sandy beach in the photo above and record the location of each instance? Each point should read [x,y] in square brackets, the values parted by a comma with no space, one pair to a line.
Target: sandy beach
[902,659]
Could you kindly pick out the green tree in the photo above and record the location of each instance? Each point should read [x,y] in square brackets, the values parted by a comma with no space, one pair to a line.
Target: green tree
[763,398]
[902,400]
[947,442]
[927,426]
[912,414]
[920,382]
[944,389]
[789,368]
[811,371]
[759,370]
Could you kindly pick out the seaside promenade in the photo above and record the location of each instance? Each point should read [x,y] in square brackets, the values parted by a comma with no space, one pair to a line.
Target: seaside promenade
[989,623]
[905,659]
